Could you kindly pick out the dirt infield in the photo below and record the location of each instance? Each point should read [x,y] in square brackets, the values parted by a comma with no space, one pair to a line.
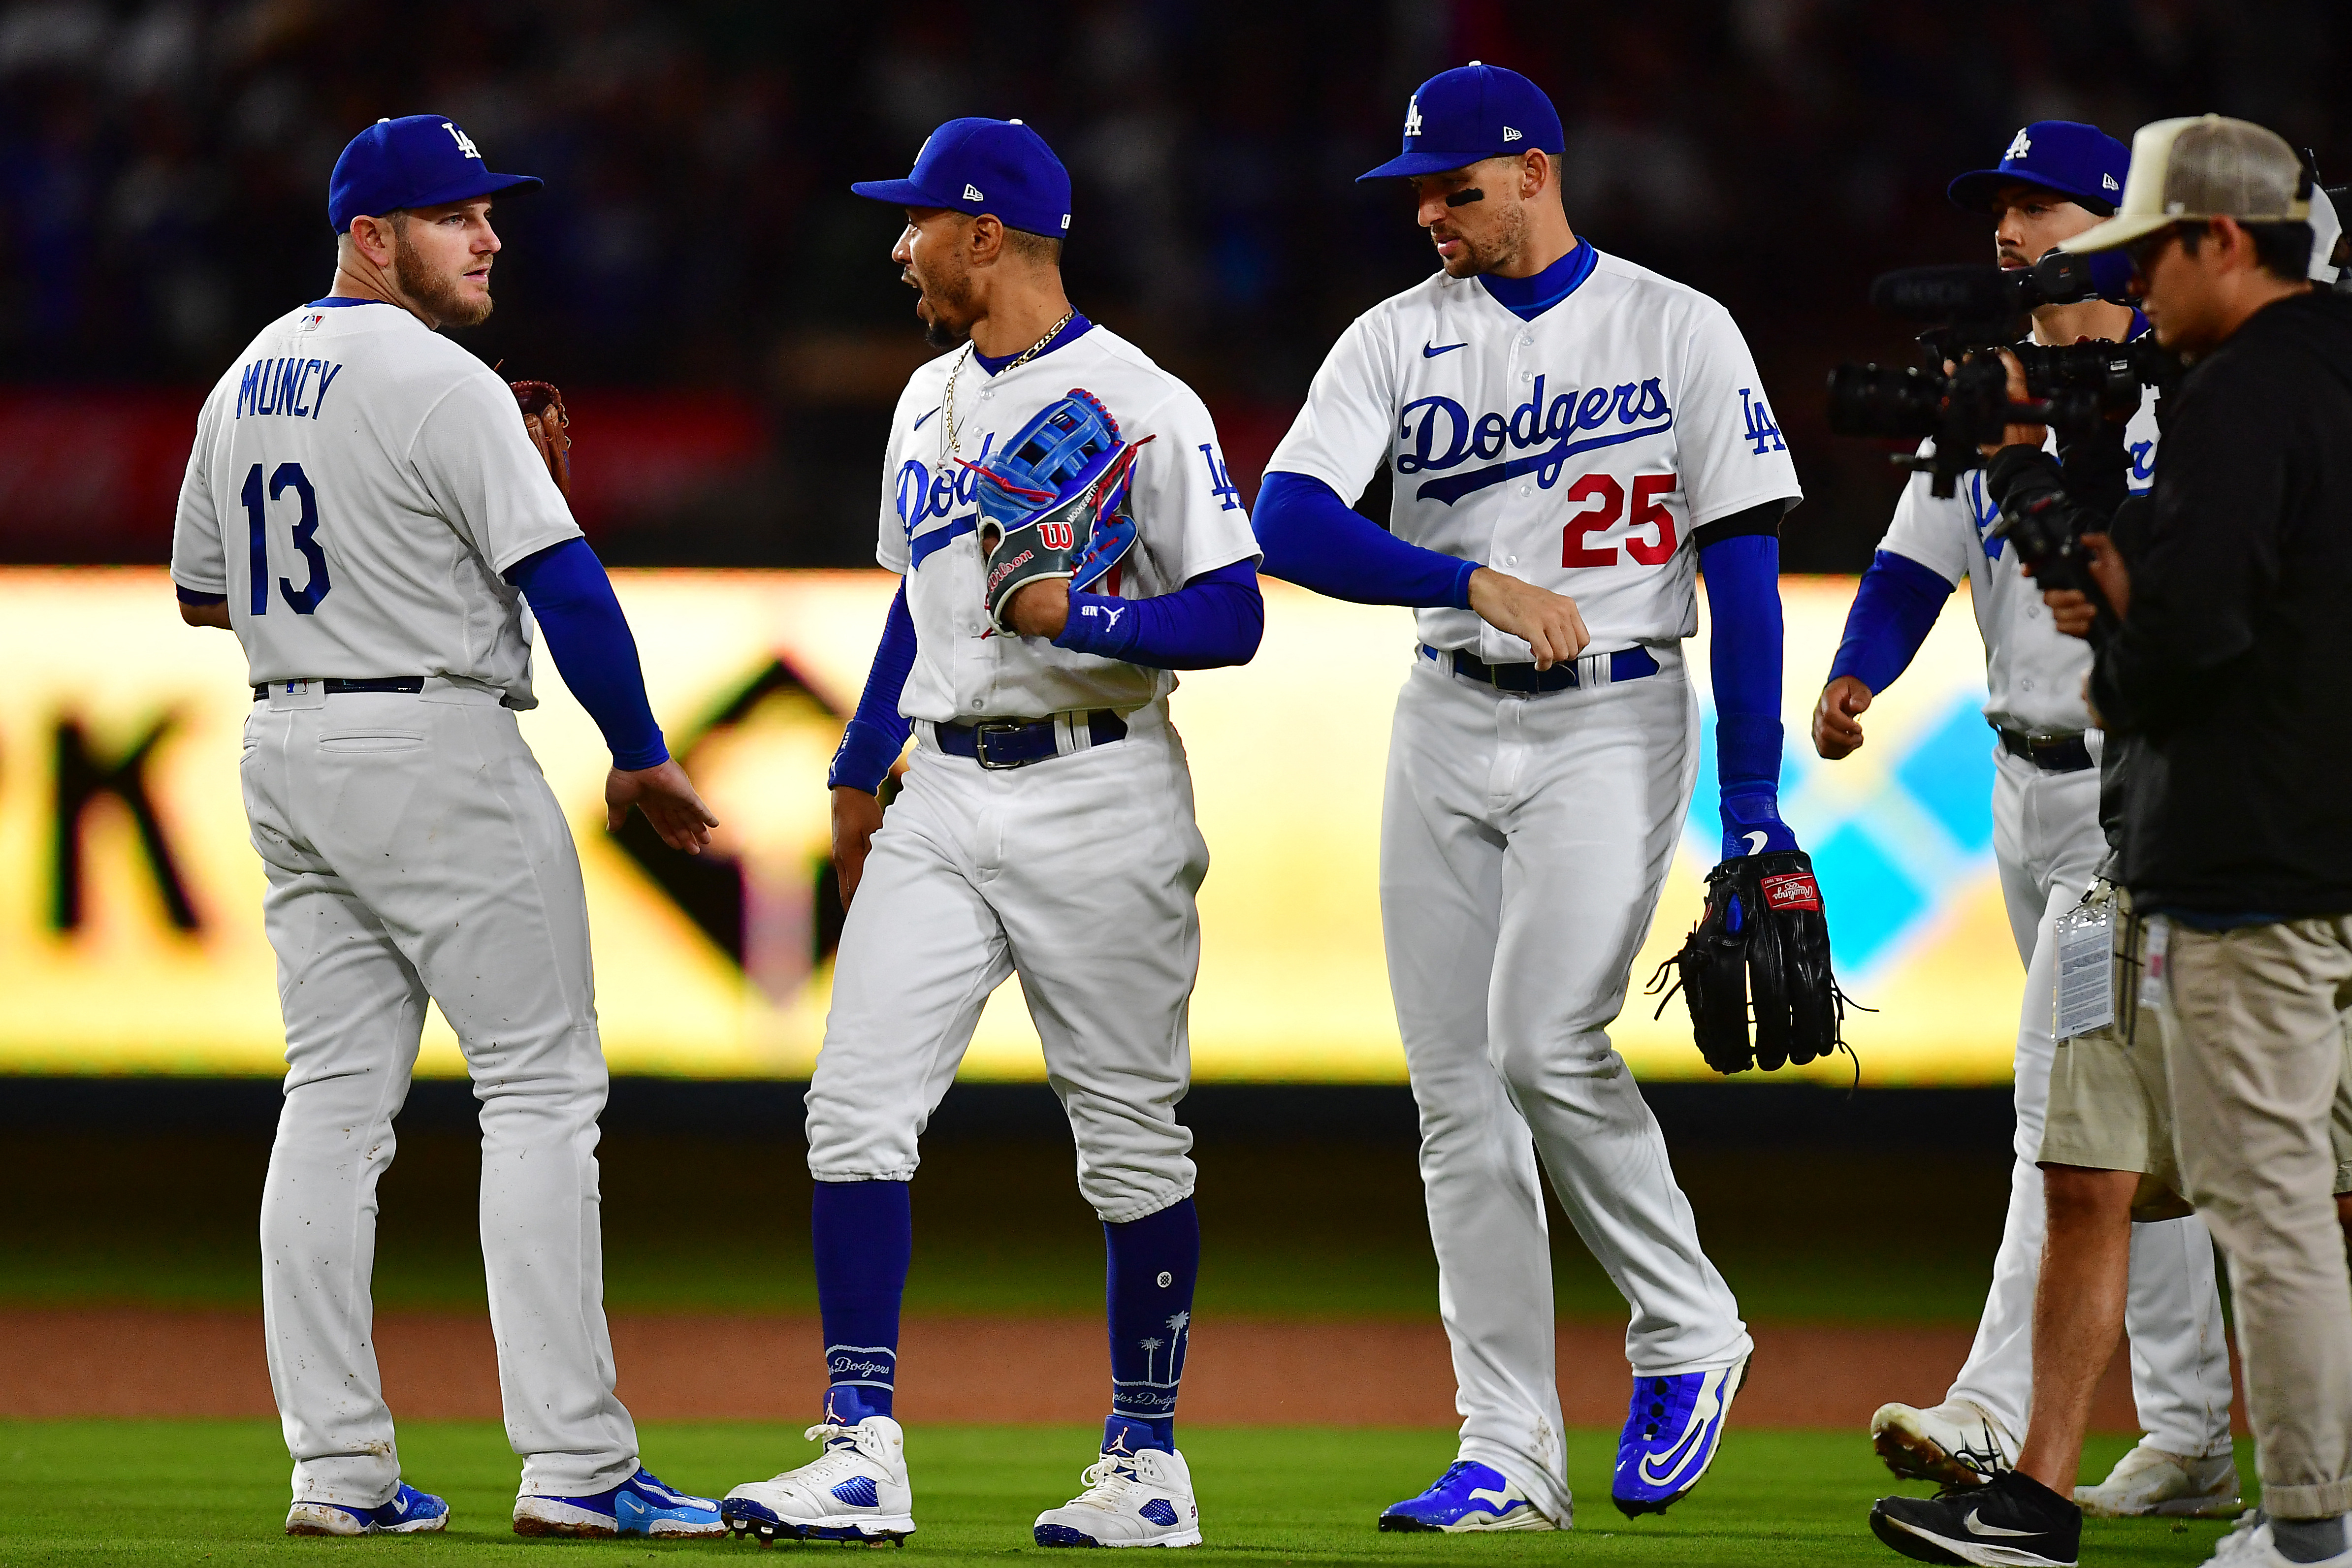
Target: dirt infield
[143,1363]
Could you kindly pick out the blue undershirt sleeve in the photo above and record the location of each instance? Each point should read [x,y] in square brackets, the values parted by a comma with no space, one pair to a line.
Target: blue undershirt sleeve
[1214,619]
[878,732]
[589,639]
[1314,540]
[1743,597]
[1893,610]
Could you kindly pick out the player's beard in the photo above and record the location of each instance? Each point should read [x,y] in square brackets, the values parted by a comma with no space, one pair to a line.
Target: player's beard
[947,323]
[1498,249]
[441,297]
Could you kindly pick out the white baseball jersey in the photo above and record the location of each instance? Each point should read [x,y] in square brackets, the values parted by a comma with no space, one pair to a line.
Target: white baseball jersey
[357,483]
[2034,672]
[1188,520]
[1576,451]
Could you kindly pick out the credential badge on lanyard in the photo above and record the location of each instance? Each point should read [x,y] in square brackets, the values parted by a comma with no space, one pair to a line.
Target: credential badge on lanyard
[2086,987]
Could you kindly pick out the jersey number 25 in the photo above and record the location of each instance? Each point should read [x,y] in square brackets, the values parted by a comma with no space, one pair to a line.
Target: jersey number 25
[1608,498]
[302,601]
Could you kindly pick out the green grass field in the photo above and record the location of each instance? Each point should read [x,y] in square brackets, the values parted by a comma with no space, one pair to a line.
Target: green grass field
[1332,1230]
[214,1492]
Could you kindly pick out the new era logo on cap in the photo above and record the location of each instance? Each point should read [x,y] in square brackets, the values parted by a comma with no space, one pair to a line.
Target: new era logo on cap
[1472,112]
[1027,187]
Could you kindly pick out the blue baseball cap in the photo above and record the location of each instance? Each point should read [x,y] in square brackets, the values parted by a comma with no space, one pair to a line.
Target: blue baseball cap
[2081,162]
[1456,118]
[416,161]
[979,165]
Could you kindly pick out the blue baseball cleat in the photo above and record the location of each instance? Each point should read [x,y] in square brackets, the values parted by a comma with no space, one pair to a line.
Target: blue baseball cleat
[1468,1497]
[409,1512]
[638,1506]
[1671,1430]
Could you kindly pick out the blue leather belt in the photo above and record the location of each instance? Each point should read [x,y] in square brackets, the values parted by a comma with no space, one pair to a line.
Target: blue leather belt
[2049,753]
[1625,665]
[410,684]
[1000,743]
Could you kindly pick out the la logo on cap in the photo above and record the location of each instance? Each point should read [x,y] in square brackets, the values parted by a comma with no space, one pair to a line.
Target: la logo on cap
[2019,146]
[465,142]
[1412,116]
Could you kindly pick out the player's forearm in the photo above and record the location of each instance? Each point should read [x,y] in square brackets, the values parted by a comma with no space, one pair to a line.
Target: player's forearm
[1314,540]
[589,639]
[1893,610]
[1743,595]
[877,734]
[1217,618]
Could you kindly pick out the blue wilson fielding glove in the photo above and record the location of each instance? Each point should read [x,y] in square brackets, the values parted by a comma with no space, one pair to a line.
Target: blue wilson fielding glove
[1053,501]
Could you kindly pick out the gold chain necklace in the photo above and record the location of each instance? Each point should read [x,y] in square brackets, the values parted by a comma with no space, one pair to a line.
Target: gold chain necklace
[950,445]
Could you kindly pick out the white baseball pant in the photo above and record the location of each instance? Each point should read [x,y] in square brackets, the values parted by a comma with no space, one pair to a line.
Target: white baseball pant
[2048,843]
[1523,845]
[1077,873]
[413,850]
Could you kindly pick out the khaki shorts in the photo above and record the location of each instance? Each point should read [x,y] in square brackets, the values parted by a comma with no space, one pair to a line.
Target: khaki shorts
[2111,1102]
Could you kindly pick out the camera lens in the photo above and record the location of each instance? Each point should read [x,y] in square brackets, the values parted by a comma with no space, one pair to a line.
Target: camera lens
[1884,400]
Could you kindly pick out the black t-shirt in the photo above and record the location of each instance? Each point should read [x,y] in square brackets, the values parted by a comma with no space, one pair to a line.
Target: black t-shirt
[2234,669]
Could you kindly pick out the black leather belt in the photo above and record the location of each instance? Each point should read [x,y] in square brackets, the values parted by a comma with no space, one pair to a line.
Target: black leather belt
[410,684]
[2049,753]
[1625,665]
[1000,743]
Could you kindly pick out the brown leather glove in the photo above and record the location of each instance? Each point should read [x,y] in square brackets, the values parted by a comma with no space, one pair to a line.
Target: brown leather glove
[549,428]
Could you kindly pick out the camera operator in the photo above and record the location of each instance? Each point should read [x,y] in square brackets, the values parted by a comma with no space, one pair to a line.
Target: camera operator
[2057,180]
[2220,651]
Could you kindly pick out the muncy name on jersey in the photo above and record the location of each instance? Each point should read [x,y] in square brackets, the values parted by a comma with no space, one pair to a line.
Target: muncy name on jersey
[1436,433]
[285,387]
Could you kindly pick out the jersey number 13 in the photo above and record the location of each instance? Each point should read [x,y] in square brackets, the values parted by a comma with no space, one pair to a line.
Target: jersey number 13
[302,601]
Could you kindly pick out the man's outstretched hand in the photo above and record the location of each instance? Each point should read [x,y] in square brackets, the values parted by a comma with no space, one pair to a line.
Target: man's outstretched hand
[665,795]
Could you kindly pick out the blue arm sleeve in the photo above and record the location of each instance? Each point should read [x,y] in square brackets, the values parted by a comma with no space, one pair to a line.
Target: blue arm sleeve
[1893,613]
[1314,540]
[1743,594]
[878,732]
[589,639]
[1216,619]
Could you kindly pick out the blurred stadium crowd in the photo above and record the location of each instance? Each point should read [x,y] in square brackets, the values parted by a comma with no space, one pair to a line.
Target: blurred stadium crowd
[726,310]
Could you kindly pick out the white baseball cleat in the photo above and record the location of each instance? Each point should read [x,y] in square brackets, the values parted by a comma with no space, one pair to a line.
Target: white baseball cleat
[856,1490]
[2151,1481]
[2251,1545]
[1955,1444]
[1143,1498]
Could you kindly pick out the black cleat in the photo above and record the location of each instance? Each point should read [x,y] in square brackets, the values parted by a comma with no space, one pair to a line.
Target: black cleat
[2010,1521]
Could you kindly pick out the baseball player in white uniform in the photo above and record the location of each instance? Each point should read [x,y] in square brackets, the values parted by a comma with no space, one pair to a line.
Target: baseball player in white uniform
[2057,178]
[1045,827]
[1570,435]
[363,508]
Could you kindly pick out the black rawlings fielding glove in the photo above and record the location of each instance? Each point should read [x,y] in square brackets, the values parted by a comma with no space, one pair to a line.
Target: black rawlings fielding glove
[1053,501]
[1764,939]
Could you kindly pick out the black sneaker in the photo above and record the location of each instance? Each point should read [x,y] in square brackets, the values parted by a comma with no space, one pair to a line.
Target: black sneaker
[2011,1522]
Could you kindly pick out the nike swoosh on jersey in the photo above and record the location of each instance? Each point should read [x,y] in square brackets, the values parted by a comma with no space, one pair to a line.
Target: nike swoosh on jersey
[1431,351]
[918,424]
[1978,1527]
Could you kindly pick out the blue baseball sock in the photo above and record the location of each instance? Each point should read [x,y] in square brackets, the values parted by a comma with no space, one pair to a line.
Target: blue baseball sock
[1153,1262]
[862,1233]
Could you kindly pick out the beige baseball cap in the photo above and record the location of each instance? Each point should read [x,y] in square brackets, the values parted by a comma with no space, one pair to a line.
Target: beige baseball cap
[2204,166]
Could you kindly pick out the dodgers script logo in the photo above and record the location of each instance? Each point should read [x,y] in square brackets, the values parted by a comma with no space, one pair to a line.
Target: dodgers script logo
[923,495]
[1436,433]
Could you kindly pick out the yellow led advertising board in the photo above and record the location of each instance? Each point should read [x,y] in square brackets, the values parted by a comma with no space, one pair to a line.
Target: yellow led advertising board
[130,935]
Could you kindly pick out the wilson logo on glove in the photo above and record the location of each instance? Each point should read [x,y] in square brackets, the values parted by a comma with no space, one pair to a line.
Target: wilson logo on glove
[1053,501]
